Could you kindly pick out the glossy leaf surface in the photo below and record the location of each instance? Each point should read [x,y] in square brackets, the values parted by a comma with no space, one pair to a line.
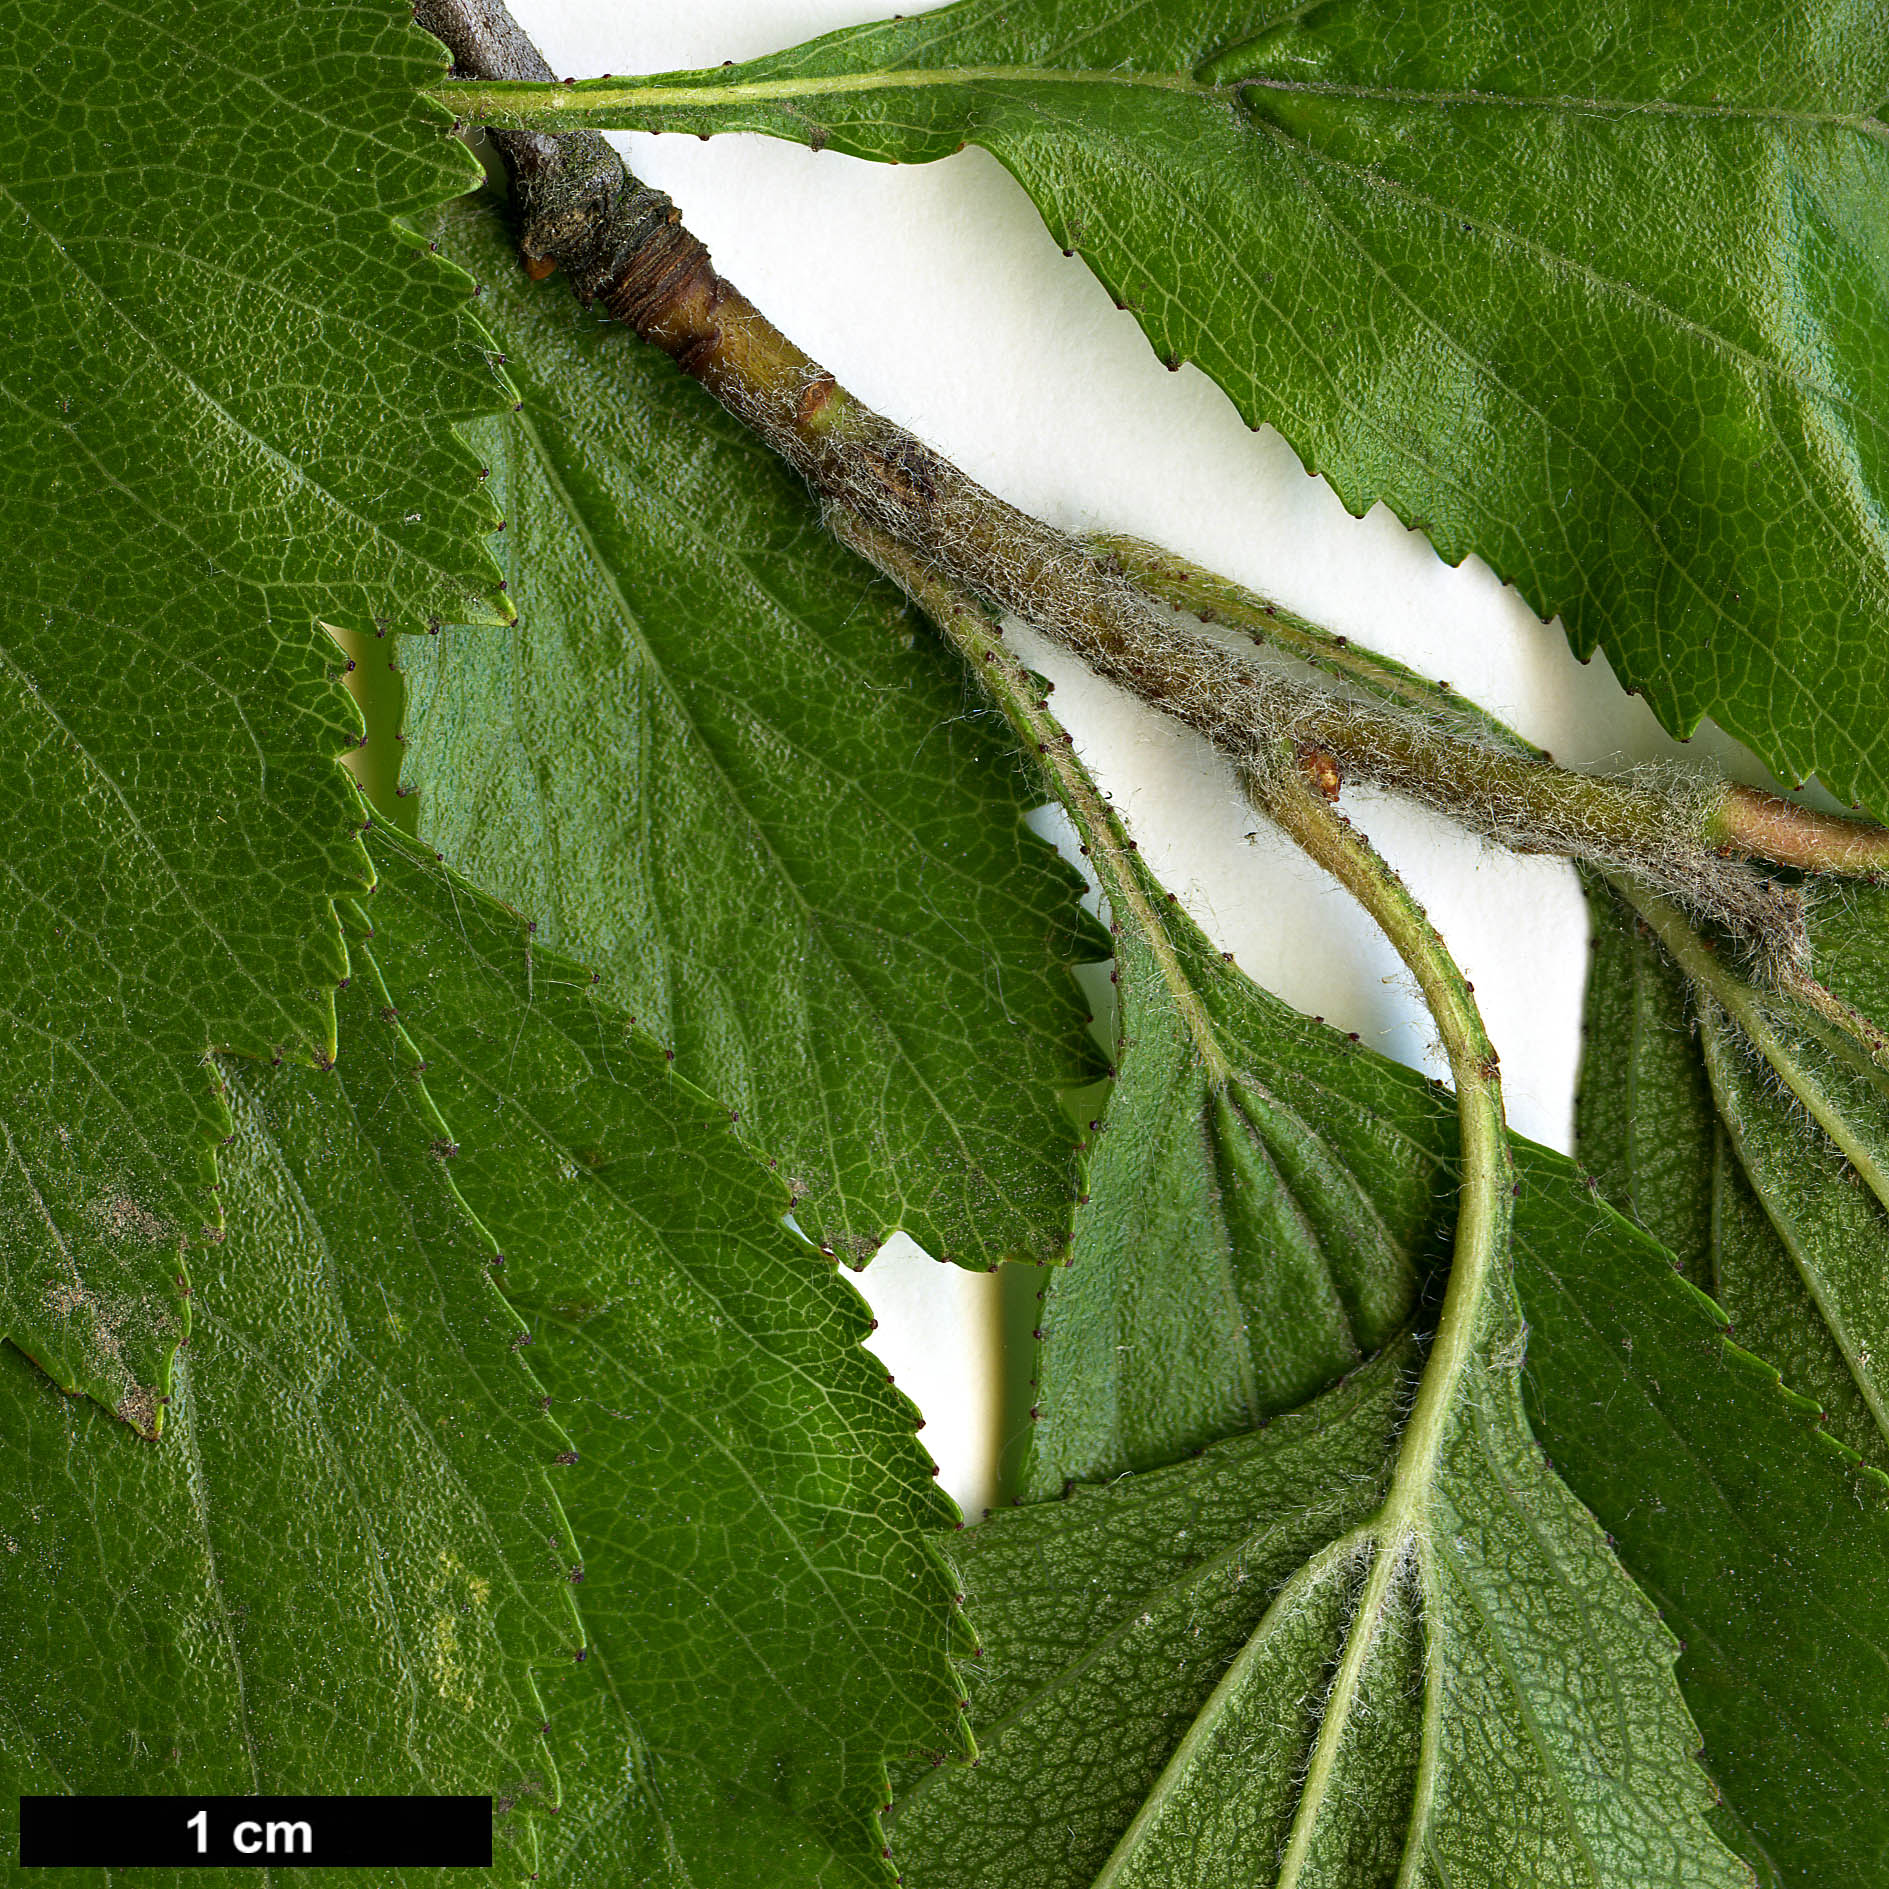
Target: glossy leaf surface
[767,1610]
[230,381]
[335,1569]
[721,762]
[1594,294]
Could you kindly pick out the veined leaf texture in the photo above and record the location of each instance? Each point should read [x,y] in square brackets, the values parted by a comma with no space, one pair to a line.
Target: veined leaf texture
[725,763]
[430,1364]
[1593,294]
[338,1558]
[233,379]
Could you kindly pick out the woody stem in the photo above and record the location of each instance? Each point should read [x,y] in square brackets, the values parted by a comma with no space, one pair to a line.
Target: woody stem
[580,210]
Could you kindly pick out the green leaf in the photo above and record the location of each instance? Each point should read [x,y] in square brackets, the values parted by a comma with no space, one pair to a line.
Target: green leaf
[1231,1148]
[230,391]
[1763,1544]
[1713,1115]
[1594,294]
[1168,1646]
[1728,1503]
[335,1570]
[1752,1148]
[1109,1619]
[724,764]
[1378,1641]
[1107,1622]
[768,1612]
[338,1567]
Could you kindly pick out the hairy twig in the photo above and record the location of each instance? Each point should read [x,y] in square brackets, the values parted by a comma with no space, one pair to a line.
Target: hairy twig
[623,244]
[1731,817]
[1478,1312]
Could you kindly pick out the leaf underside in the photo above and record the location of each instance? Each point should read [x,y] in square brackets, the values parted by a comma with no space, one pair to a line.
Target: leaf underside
[1595,295]
[721,762]
[1228,1263]
[1445,1666]
[1723,1494]
[1109,1619]
[347,1558]
[1165,1647]
[1695,1133]
[1704,1142]
[230,385]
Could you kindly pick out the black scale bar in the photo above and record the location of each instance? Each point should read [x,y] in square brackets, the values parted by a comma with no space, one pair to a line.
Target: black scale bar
[256,1832]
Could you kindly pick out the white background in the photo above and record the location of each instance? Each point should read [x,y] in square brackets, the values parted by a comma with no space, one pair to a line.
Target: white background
[934,293]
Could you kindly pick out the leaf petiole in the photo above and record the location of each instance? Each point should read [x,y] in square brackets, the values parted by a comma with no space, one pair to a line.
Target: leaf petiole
[1479,1270]
[1397,1538]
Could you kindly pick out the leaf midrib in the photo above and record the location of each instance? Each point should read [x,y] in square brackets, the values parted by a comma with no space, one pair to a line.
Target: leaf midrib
[1305,1579]
[1715,987]
[815,928]
[1784,1224]
[1070,1671]
[598,97]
